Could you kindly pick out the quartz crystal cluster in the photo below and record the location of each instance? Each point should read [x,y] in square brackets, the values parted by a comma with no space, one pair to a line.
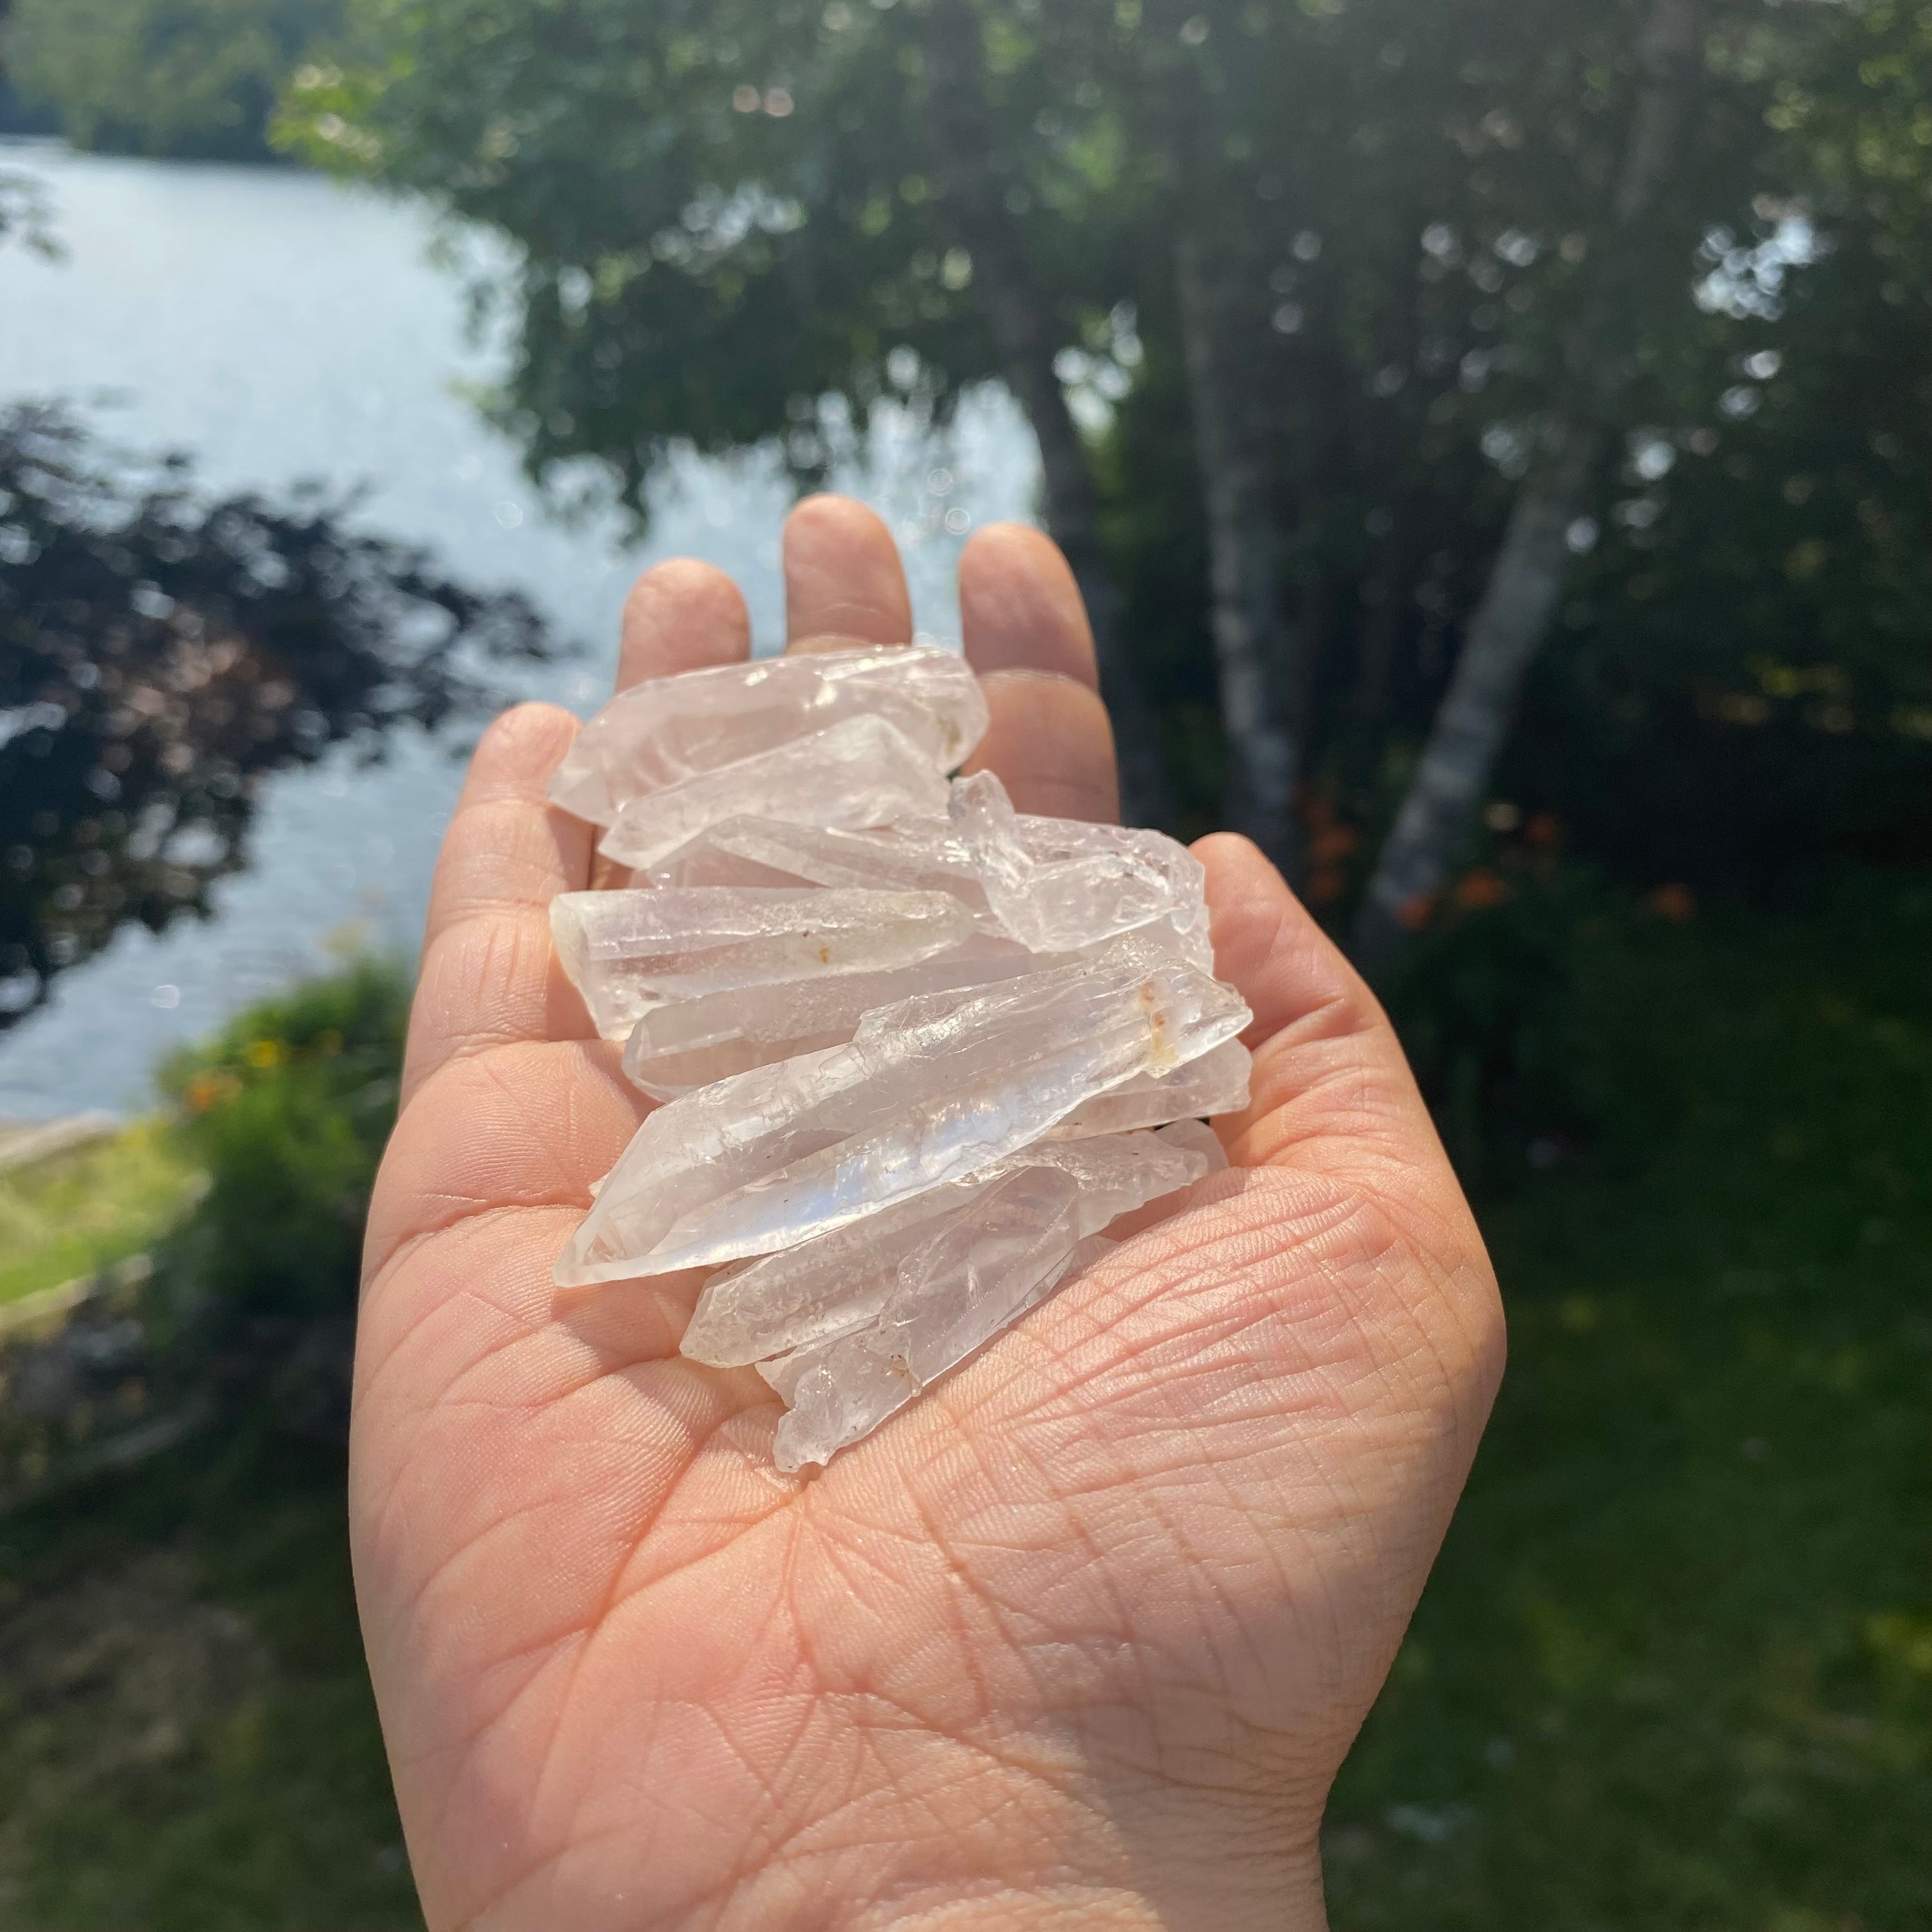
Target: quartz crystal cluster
[915,1051]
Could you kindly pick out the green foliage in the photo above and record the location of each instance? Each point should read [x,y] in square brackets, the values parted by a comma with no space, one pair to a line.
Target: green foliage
[730,217]
[287,1110]
[160,654]
[162,76]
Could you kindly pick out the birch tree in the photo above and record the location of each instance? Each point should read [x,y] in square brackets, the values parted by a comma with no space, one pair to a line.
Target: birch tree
[1526,580]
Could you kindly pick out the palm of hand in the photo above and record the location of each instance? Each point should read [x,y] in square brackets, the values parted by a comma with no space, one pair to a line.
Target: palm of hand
[1081,1635]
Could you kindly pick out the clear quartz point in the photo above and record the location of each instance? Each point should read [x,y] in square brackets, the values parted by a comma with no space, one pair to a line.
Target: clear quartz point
[626,951]
[928,1091]
[1216,1083]
[668,730]
[862,771]
[971,1281]
[678,1045]
[917,855]
[1059,884]
[840,1280]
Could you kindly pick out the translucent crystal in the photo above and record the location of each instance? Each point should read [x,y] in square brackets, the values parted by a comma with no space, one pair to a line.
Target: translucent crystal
[676,1045]
[915,855]
[668,730]
[841,1280]
[951,1294]
[864,771]
[974,1280]
[1216,1083]
[1058,884]
[626,951]
[928,1091]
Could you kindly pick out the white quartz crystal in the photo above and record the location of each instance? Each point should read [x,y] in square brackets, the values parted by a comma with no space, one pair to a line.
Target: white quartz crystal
[917,855]
[928,1091]
[1216,1083]
[678,1045]
[628,952]
[841,1280]
[1060,884]
[863,771]
[668,730]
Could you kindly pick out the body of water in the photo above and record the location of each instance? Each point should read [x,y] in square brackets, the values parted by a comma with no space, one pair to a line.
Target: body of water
[277,327]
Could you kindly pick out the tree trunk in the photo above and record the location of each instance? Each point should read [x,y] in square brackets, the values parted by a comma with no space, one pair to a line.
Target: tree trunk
[1017,315]
[1509,625]
[1526,580]
[1252,643]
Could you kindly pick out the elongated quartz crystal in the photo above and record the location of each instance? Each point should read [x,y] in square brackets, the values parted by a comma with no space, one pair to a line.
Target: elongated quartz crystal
[915,855]
[1216,1083]
[980,1267]
[678,1045]
[928,1091]
[627,952]
[841,1280]
[862,771]
[669,730]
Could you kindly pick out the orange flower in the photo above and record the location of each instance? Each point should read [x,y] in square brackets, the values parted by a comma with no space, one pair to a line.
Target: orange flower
[209,1090]
[1476,891]
[1337,842]
[1413,914]
[1676,903]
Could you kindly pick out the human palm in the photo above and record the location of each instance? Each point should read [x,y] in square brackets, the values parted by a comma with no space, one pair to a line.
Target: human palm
[1079,1638]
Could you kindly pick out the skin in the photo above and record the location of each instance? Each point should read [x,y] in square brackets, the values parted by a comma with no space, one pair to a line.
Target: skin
[1078,1639]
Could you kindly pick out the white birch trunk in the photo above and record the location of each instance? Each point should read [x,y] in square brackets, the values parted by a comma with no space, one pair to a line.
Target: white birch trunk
[1526,580]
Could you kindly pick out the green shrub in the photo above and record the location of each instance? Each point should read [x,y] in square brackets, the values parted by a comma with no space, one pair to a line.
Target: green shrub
[1500,1002]
[287,1110]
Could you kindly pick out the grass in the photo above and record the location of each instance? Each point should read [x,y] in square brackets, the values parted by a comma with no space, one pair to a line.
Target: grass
[187,1740]
[76,1213]
[1674,1670]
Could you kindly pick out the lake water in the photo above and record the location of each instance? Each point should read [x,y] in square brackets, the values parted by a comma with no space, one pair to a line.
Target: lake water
[279,328]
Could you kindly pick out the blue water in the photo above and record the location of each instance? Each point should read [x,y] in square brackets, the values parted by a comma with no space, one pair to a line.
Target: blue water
[278,327]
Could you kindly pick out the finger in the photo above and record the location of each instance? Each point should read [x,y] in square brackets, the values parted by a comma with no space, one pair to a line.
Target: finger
[488,974]
[1026,633]
[1020,608]
[681,616]
[842,575]
[1332,1086]
[1049,743]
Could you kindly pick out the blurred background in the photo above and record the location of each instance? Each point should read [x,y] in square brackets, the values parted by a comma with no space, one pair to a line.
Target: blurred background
[1495,438]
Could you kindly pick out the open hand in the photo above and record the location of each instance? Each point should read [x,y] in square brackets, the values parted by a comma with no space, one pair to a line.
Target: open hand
[1079,1639]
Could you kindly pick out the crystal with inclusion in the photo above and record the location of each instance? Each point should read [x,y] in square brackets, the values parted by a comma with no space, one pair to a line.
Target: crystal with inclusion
[1057,884]
[625,951]
[951,1294]
[668,730]
[842,1280]
[977,1278]
[927,1092]
[864,771]
[678,1045]
[1216,1083]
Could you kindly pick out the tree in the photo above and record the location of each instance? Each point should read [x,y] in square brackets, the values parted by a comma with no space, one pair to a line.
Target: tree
[160,654]
[1339,324]
[162,76]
